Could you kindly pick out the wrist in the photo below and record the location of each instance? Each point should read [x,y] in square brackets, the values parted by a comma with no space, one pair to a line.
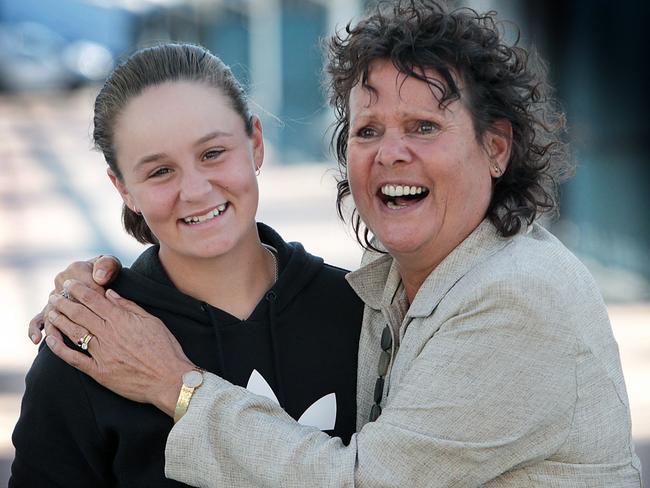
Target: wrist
[192,381]
[169,395]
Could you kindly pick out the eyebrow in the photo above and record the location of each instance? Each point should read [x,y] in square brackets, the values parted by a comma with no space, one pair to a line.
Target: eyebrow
[367,113]
[155,157]
[212,135]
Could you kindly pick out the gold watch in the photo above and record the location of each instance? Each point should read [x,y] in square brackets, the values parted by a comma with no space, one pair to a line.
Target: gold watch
[191,381]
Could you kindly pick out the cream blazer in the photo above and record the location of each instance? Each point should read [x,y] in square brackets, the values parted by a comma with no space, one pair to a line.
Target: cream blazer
[504,373]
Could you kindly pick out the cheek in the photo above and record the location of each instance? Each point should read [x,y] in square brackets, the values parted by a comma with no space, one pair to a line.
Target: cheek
[155,204]
[472,189]
[358,170]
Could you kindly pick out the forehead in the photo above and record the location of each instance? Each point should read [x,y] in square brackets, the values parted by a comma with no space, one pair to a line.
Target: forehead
[386,84]
[175,110]
[178,97]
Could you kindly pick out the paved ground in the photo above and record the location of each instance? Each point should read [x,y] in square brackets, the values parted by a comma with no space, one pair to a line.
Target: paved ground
[57,205]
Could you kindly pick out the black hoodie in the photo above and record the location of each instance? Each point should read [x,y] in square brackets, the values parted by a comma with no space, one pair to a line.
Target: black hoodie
[300,341]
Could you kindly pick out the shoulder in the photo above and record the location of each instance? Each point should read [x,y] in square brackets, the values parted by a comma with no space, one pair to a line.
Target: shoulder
[51,381]
[536,260]
[54,395]
[534,278]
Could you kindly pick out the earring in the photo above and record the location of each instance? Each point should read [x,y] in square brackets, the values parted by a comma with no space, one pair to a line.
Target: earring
[497,170]
[257,171]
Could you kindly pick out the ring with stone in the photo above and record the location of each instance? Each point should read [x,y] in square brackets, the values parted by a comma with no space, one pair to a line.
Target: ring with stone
[83,342]
[65,294]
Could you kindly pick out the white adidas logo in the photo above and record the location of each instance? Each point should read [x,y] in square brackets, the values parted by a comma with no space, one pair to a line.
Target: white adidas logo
[321,414]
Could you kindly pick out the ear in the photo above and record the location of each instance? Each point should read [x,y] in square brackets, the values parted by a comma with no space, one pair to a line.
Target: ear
[121,188]
[257,137]
[498,144]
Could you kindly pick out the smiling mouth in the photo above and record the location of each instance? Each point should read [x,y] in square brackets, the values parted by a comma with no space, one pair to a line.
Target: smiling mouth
[396,197]
[197,219]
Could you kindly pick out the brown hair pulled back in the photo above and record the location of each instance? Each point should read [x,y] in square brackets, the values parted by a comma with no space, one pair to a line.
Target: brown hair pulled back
[149,67]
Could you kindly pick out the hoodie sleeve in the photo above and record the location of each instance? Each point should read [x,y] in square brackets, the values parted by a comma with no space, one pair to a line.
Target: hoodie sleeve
[56,438]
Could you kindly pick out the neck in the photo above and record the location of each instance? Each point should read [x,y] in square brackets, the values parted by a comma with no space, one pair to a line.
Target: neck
[412,278]
[234,282]
[415,267]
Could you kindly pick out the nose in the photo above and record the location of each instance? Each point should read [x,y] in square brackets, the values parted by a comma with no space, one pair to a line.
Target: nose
[194,185]
[393,149]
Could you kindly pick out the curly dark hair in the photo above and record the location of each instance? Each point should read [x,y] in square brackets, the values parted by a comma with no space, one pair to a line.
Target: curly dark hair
[499,81]
[149,67]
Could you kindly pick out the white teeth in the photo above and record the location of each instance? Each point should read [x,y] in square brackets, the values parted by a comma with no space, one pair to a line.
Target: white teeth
[399,190]
[210,215]
[394,206]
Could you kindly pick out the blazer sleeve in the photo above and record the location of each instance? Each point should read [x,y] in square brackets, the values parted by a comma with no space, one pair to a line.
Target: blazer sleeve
[492,390]
[56,438]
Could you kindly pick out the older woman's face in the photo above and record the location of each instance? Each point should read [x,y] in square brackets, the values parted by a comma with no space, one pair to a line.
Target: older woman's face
[419,178]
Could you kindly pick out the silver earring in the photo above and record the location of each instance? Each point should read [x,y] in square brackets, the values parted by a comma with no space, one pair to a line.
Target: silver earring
[257,171]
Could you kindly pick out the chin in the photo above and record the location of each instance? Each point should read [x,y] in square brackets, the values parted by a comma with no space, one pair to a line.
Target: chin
[397,246]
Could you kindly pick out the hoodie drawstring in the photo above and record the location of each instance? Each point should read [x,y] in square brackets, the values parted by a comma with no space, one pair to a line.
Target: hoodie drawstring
[271,297]
[217,333]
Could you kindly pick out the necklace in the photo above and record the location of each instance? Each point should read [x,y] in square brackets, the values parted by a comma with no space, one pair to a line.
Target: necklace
[272,252]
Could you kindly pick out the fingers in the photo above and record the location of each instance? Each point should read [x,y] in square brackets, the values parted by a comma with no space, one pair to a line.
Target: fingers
[105,269]
[92,301]
[73,358]
[58,323]
[36,326]
[51,331]
[75,312]
[80,271]
[127,305]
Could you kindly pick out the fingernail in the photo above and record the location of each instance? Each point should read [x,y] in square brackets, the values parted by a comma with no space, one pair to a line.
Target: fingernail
[52,315]
[112,293]
[51,341]
[100,274]
[67,283]
[35,338]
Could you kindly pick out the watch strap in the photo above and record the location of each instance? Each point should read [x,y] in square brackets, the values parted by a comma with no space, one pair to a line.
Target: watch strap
[184,397]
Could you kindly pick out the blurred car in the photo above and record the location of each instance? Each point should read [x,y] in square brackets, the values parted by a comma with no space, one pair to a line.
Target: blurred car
[34,57]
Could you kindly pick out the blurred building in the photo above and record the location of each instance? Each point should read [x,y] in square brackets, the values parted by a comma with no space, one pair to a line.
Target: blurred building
[596,54]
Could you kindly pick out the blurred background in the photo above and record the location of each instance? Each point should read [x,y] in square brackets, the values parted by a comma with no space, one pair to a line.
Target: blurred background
[58,206]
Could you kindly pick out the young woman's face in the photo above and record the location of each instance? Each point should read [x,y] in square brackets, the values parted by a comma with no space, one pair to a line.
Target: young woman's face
[189,167]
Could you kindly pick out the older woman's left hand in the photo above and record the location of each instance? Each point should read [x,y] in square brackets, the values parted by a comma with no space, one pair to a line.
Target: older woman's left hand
[131,352]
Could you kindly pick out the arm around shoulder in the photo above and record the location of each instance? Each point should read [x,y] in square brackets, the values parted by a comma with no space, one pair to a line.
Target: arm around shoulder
[491,390]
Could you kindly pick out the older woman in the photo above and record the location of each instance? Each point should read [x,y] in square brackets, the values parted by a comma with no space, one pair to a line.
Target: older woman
[486,355]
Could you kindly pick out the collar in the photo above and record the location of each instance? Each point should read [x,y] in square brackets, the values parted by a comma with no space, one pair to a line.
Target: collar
[378,282]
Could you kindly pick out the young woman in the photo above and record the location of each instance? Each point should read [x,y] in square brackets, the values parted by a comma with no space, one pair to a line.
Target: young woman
[183,150]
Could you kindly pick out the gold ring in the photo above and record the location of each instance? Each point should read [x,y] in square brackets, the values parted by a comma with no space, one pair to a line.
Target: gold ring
[83,342]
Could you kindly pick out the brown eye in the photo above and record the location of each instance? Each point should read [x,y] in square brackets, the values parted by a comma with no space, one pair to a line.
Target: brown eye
[213,153]
[366,132]
[159,172]
[426,127]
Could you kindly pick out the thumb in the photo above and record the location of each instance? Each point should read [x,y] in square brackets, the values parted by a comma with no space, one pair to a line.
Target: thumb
[105,269]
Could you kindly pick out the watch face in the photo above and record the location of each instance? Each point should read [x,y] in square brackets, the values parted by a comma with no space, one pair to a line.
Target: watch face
[192,379]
